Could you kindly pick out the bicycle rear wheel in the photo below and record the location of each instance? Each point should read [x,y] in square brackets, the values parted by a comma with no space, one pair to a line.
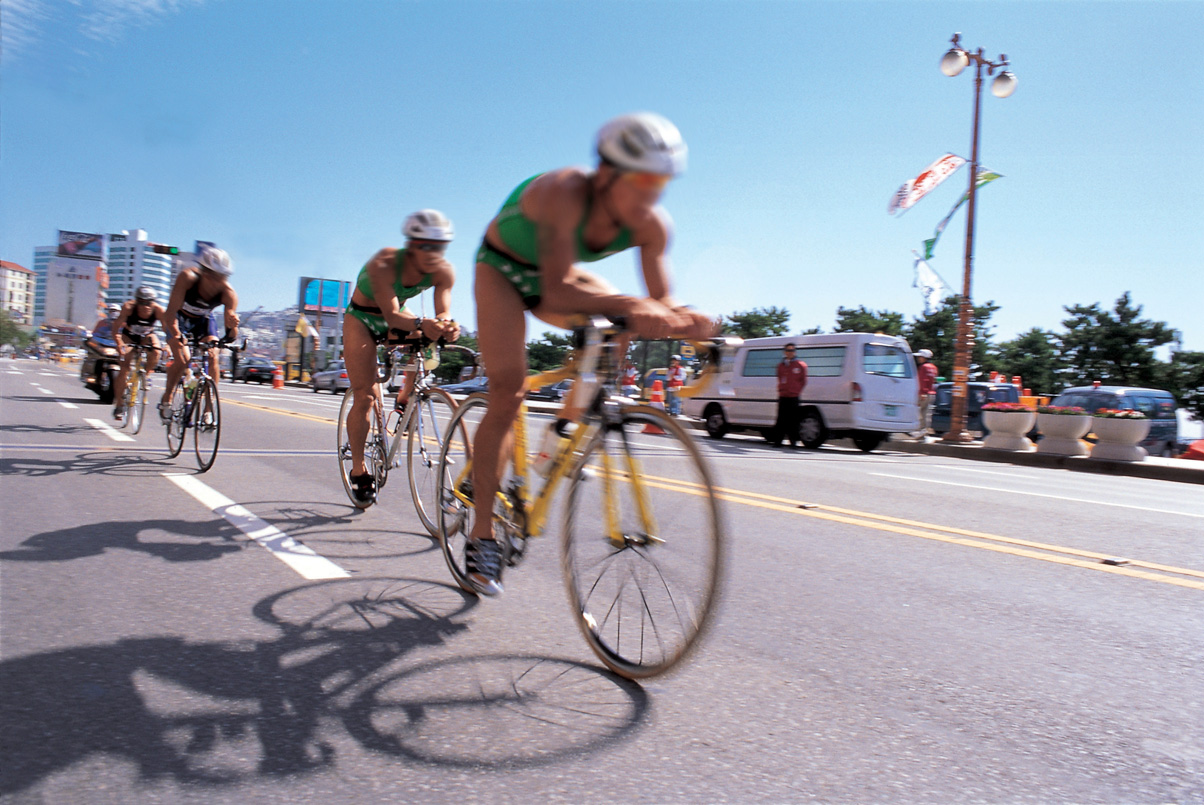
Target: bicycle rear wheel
[177,420]
[206,423]
[375,454]
[643,544]
[136,401]
[429,422]
[453,486]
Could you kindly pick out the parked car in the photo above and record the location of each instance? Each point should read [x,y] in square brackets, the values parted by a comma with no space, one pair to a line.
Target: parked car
[553,392]
[980,394]
[333,377]
[859,385]
[468,386]
[254,368]
[1156,404]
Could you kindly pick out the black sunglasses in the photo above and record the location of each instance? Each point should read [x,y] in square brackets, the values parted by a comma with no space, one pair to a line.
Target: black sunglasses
[429,247]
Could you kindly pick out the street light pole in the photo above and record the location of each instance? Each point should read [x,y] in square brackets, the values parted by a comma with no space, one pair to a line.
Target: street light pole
[1004,85]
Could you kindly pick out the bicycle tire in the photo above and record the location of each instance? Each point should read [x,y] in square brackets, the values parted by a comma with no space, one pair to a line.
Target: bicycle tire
[427,423]
[642,601]
[375,460]
[455,476]
[206,423]
[135,409]
[177,420]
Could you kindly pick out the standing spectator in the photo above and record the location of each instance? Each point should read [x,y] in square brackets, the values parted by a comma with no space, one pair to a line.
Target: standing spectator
[675,379]
[792,379]
[927,375]
[627,385]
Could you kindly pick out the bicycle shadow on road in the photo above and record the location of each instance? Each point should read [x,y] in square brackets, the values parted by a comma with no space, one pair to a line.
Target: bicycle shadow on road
[94,539]
[220,713]
[125,463]
[46,429]
[325,528]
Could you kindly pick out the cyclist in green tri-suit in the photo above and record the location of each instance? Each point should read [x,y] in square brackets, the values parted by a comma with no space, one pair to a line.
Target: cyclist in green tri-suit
[378,305]
[527,262]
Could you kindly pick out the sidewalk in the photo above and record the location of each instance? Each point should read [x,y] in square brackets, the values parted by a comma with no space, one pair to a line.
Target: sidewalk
[1161,469]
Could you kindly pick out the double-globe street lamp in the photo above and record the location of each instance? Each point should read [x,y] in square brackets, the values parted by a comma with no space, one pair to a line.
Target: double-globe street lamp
[956,60]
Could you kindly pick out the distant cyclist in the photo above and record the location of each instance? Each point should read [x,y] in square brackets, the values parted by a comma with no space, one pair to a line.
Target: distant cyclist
[527,261]
[197,293]
[378,305]
[135,326]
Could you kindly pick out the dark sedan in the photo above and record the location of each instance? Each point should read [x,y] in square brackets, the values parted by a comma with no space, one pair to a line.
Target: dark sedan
[258,369]
[553,392]
[468,386]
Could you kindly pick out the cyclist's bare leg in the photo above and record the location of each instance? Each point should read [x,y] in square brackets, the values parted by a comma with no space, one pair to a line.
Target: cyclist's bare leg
[359,359]
[122,376]
[180,357]
[213,367]
[501,336]
[153,352]
[407,387]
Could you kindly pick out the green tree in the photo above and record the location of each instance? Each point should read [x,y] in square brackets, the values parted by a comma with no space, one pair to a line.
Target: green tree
[938,332]
[1115,348]
[863,320]
[548,352]
[758,323]
[11,333]
[1034,356]
[1183,376]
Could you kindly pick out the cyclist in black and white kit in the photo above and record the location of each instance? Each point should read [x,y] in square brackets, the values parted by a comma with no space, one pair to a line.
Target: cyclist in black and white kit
[196,294]
[135,326]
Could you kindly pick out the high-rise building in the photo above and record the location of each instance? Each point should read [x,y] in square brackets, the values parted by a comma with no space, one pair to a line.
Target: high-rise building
[17,292]
[133,262]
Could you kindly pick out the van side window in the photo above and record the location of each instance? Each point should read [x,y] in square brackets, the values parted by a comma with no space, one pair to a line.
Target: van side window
[881,359]
[823,361]
[1145,405]
[1164,409]
[762,362]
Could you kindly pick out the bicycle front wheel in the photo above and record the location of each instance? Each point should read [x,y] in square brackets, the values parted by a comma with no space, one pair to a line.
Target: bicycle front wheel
[136,402]
[206,423]
[428,424]
[643,544]
[177,420]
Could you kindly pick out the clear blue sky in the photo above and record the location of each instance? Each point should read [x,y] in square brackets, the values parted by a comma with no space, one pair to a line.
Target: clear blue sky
[298,133]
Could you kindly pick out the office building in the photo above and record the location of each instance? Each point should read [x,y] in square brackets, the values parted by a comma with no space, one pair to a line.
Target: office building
[17,292]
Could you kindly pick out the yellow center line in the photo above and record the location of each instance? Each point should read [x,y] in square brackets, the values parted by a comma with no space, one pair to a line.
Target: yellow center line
[297,414]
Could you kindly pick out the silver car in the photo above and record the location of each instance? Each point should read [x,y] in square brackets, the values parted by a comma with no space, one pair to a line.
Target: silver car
[333,377]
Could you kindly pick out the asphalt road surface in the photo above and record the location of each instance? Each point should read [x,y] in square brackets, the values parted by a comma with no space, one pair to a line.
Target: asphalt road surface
[895,628]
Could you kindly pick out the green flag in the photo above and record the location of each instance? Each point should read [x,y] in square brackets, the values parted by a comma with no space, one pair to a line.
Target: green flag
[984,177]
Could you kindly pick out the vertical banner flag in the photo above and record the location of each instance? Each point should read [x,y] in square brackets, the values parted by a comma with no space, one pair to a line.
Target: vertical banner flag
[914,190]
[932,287]
[984,177]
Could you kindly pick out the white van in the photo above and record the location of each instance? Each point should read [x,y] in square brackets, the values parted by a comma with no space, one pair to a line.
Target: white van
[859,385]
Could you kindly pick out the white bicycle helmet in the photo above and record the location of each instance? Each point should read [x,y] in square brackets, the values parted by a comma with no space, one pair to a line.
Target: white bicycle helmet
[145,294]
[113,311]
[216,260]
[643,142]
[428,225]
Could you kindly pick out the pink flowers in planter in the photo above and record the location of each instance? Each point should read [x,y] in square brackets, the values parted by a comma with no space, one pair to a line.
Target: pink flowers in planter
[1116,413]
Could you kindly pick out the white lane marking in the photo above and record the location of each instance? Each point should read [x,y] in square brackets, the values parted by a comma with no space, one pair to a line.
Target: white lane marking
[109,431]
[305,561]
[1041,495]
[331,404]
[45,390]
[66,404]
[48,374]
[13,372]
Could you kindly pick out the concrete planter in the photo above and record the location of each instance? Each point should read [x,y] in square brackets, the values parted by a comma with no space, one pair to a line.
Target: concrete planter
[1119,438]
[1061,434]
[1008,430]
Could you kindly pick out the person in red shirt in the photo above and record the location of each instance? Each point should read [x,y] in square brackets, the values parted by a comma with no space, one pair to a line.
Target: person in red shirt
[927,375]
[676,377]
[792,379]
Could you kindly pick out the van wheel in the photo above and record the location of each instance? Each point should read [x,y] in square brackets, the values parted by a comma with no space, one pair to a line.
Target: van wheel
[811,428]
[868,440]
[716,422]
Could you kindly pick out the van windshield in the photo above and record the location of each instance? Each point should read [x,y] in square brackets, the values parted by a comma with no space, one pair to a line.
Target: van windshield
[881,359]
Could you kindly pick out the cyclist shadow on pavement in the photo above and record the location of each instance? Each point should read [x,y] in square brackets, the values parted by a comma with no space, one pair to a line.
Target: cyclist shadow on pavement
[219,713]
[55,430]
[94,539]
[121,462]
[324,527]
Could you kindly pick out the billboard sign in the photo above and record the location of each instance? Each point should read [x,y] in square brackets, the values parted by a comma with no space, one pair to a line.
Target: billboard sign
[81,244]
[323,296]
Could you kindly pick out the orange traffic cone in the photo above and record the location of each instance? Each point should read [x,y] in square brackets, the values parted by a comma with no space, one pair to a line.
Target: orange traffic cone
[277,378]
[657,400]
